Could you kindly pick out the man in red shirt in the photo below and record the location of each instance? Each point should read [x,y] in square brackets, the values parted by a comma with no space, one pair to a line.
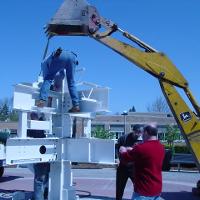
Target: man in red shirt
[125,170]
[148,158]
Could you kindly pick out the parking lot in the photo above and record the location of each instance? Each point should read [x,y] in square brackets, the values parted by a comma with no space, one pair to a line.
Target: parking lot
[99,184]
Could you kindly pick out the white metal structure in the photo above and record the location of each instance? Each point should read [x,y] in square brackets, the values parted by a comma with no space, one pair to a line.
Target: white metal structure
[59,148]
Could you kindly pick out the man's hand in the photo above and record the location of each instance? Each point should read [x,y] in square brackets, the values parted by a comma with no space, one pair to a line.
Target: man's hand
[122,149]
[129,148]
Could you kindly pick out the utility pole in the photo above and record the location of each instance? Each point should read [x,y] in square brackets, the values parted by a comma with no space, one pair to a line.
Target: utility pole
[125,113]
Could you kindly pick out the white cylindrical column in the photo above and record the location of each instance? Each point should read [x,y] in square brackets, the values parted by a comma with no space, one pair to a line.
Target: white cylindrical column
[22,125]
[68,192]
[87,128]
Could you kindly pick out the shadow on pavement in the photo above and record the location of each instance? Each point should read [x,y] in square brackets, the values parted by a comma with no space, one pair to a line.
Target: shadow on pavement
[9,178]
[83,193]
[98,198]
[9,193]
[179,195]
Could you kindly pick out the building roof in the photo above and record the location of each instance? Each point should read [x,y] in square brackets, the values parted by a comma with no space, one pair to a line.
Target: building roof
[135,117]
[8,125]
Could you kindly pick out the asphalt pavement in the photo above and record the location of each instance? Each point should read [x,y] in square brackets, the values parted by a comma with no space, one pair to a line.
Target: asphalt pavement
[99,184]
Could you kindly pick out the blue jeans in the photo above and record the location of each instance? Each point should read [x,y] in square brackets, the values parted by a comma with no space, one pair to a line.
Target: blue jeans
[137,196]
[41,176]
[51,66]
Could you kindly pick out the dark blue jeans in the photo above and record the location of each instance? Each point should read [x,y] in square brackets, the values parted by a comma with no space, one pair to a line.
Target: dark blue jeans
[51,66]
[137,196]
[41,177]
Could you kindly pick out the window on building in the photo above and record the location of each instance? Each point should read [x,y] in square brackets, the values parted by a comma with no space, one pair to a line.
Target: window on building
[13,131]
[97,126]
[163,135]
[117,130]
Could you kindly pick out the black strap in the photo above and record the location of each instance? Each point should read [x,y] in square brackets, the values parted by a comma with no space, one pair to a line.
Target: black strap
[45,51]
[46,48]
[74,53]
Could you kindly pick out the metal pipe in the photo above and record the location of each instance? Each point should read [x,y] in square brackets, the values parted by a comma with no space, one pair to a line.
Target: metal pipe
[137,41]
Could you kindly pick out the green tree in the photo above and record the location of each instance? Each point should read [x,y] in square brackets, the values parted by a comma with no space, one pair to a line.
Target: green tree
[172,134]
[4,112]
[99,132]
[13,116]
[132,109]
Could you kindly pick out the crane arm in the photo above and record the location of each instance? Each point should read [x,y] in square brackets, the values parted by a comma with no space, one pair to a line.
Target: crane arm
[158,65]
[77,17]
[153,62]
[149,59]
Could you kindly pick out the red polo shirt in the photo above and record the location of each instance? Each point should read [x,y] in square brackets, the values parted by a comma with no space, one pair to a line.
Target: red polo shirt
[148,158]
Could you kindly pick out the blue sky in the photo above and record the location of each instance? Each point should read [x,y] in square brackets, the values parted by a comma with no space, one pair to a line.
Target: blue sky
[169,26]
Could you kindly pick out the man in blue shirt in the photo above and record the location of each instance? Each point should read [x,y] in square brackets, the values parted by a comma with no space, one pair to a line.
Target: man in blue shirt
[53,65]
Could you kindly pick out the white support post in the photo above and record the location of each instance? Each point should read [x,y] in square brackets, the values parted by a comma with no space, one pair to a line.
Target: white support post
[60,178]
[60,181]
[67,124]
[22,125]
[68,191]
[49,118]
[87,128]
[54,181]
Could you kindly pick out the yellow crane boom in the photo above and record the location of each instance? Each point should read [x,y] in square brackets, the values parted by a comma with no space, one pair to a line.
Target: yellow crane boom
[77,17]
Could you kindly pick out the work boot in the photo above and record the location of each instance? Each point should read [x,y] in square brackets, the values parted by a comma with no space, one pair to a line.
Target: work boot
[74,109]
[40,103]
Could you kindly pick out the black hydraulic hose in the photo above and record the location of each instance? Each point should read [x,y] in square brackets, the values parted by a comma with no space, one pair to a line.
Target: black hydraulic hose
[45,52]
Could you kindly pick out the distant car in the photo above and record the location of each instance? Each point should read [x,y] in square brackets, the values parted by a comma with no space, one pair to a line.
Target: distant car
[1,171]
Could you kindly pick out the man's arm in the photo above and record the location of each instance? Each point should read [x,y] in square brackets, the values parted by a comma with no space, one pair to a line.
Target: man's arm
[120,142]
[45,65]
[128,154]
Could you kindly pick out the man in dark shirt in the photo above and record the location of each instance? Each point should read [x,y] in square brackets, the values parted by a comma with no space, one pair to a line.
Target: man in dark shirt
[125,170]
[148,158]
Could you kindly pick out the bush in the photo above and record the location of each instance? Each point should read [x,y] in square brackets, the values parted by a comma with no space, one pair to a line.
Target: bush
[178,148]
[101,133]
[167,146]
[181,149]
[4,134]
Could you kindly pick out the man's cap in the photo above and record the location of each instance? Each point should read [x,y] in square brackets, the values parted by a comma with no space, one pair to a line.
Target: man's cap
[137,127]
